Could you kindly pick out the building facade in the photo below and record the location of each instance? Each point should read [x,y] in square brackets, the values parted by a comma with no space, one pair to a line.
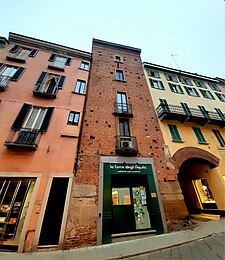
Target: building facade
[191,114]
[43,87]
[126,182]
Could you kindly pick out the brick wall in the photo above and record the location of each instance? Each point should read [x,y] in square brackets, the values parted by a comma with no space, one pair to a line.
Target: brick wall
[98,138]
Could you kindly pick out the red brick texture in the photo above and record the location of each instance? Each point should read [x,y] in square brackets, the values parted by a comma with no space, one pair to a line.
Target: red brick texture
[101,127]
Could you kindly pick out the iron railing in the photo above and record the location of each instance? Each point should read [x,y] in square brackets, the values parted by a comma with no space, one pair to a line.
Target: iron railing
[126,145]
[48,91]
[123,109]
[24,138]
[165,111]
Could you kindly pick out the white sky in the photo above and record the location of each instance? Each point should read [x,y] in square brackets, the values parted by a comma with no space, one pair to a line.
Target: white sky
[194,30]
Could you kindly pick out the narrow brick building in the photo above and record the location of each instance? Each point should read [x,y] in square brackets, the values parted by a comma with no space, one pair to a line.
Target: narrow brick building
[125,182]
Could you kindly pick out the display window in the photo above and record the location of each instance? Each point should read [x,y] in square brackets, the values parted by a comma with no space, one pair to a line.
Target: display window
[15,196]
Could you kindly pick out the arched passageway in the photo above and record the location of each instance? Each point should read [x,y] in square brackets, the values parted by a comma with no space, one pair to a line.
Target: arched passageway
[196,178]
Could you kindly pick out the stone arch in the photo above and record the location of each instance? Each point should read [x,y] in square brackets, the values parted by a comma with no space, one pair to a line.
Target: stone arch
[186,153]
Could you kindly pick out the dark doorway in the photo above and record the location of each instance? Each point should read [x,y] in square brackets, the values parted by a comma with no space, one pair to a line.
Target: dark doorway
[51,225]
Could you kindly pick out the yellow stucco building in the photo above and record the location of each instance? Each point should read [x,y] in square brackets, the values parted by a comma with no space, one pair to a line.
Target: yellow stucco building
[191,113]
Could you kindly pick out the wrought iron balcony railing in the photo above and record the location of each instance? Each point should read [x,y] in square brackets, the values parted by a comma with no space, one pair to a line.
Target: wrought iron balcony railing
[44,90]
[24,139]
[174,112]
[126,145]
[4,80]
[123,109]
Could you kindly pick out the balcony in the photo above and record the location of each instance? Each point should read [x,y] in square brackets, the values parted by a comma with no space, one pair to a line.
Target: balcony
[4,82]
[45,90]
[173,112]
[17,57]
[23,139]
[122,109]
[126,145]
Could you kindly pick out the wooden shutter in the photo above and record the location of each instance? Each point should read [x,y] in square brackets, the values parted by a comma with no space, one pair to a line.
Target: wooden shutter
[18,74]
[47,119]
[33,53]
[60,82]
[68,61]
[52,57]
[17,124]
[14,49]
[41,78]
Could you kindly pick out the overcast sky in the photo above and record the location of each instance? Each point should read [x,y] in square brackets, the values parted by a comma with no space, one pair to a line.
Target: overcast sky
[194,30]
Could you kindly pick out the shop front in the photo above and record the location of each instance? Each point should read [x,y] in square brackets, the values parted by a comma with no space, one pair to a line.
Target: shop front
[15,196]
[130,203]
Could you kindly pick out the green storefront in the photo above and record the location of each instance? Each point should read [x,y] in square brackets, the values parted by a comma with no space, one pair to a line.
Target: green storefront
[130,202]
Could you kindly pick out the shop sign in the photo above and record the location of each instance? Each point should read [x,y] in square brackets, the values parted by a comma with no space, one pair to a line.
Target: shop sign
[127,168]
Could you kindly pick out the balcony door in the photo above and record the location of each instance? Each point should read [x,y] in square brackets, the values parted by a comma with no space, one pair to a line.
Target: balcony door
[122,102]
[35,118]
[124,127]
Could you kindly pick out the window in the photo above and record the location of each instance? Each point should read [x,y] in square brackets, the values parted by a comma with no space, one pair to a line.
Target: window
[174,133]
[171,77]
[204,112]
[214,87]
[7,73]
[220,113]
[121,105]
[49,83]
[84,65]
[186,81]
[33,118]
[80,86]
[58,62]
[206,94]
[19,54]
[176,88]
[119,75]
[191,91]
[156,84]
[220,96]
[118,58]
[164,105]
[73,118]
[186,109]
[124,127]
[26,128]
[199,135]
[200,84]
[152,73]
[219,137]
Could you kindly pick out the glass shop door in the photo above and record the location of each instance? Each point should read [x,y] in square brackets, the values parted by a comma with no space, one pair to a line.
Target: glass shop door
[129,209]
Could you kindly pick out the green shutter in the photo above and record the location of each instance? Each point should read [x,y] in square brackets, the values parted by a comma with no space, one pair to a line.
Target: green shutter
[151,83]
[171,86]
[174,133]
[161,84]
[199,135]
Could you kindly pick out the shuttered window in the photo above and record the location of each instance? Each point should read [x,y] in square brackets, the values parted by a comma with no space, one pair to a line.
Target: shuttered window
[58,62]
[199,135]
[174,133]
[33,118]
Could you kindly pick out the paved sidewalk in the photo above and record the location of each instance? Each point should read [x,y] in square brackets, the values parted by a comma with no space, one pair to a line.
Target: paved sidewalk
[126,249]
